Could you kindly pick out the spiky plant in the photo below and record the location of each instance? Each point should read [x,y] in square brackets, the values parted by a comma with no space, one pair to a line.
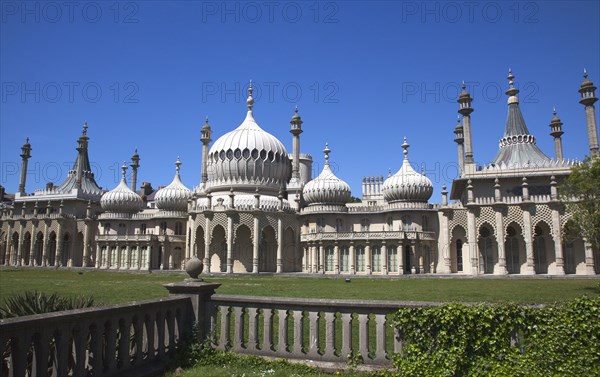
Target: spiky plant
[34,302]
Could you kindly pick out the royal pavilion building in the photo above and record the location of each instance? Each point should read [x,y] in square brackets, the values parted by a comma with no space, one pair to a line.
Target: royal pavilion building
[258,210]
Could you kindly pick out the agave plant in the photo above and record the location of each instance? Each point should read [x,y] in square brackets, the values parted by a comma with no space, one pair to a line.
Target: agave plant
[34,302]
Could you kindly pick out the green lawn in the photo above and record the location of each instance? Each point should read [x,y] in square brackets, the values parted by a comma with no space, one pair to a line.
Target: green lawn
[120,287]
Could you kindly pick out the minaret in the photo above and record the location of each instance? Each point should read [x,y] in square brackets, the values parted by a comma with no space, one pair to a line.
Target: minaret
[556,131]
[205,139]
[135,164]
[588,98]
[459,140]
[25,155]
[296,130]
[465,110]
[82,144]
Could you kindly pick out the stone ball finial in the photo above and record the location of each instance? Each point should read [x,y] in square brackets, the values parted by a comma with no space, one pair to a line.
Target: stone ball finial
[194,267]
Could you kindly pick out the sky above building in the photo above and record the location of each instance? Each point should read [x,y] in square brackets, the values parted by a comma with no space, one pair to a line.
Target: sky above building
[145,74]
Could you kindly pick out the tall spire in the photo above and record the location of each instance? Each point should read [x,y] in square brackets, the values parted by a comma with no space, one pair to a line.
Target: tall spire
[135,164]
[80,177]
[518,146]
[296,130]
[465,109]
[588,98]
[556,132]
[25,156]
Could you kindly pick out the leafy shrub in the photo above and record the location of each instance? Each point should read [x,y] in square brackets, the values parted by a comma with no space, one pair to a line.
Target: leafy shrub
[500,340]
[34,302]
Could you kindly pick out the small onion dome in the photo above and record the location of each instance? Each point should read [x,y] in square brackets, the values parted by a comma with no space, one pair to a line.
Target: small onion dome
[175,196]
[326,188]
[121,199]
[407,185]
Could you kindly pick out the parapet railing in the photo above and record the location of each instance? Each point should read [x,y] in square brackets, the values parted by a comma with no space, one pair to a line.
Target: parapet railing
[100,341]
[315,329]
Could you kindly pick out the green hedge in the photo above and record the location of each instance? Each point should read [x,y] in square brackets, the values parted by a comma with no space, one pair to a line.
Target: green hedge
[500,340]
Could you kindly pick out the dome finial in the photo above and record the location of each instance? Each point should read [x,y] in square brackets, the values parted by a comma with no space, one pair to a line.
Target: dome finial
[584,73]
[124,170]
[554,110]
[177,165]
[512,91]
[326,151]
[250,100]
[296,109]
[405,146]
[27,140]
[85,127]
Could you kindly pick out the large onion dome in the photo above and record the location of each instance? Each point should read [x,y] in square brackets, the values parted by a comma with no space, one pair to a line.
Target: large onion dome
[121,199]
[326,188]
[175,196]
[248,158]
[407,185]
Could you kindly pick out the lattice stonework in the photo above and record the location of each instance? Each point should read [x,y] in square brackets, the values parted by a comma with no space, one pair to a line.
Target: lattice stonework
[218,219]
[457,217]
[515,214]
[543,213]
[486,215]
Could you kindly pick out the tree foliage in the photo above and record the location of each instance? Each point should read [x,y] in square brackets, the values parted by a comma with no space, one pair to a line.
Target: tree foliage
[581,194]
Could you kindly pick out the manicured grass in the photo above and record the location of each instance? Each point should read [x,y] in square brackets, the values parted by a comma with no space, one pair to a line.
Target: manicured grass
[121,287]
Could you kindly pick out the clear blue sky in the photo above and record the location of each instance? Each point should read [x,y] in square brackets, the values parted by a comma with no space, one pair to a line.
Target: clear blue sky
[364,74]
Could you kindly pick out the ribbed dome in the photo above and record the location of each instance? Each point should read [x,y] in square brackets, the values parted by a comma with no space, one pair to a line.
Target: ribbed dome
[326,188]
[407,185]
[121,199]
[174,197]
[248,157]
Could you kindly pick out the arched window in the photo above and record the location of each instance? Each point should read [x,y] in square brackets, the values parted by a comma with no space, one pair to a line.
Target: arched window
[539,251]
[122,229]
[486,258]
[512,251]
[345,259]
[320,224]
[143,228]
[375,259]
[392,259]
[178,229]
[339,225]
[144,258]
[390,223]
[364,225]
[360,259]
[106,228]
[459,255]
[329,259]
[163,228]
[406,223]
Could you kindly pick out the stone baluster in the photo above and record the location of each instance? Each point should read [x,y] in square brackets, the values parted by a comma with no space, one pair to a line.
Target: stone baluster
[238,328]
[298,331]
[346,335]
[313,340]
[268,330]
[380,343]
[111,339]
[363,335]
[160,332]
[252,329]
[282,335]
[123,345]
[329,336]
[225,321]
